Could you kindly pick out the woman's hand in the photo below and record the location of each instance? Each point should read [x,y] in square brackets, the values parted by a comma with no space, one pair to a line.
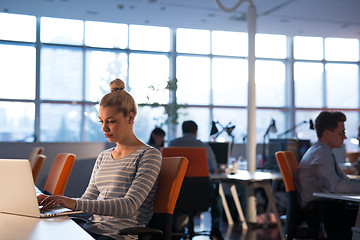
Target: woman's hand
[47,202]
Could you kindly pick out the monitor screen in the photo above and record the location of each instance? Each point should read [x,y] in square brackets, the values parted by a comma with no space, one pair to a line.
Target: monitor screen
[297,146]
[222,151]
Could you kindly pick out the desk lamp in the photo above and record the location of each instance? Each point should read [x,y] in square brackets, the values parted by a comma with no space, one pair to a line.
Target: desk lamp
[311,126]
[215,131]
[271,129]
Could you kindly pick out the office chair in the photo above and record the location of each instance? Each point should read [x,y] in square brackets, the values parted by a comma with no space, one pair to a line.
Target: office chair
[39,161]
[288,166]
[34,152]
[59,174]
[171,176]
[195,192]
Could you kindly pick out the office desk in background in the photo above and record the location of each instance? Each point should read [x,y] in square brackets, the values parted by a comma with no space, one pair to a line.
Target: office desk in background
[256,179]
[346,197]
[17,227]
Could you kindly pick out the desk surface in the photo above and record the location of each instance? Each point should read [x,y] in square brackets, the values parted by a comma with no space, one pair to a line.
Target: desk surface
[29,228]
[346,197]
[244,175]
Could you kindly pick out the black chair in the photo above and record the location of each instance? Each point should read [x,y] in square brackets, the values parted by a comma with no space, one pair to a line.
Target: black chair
[195,192]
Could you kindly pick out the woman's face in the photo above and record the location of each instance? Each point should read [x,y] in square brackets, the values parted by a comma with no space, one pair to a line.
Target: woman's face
[115,126]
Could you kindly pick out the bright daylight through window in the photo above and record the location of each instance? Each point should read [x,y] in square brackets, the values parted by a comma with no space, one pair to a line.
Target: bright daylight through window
[203,78]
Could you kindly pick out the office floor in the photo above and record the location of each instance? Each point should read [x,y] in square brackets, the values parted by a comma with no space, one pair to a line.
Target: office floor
[203,223]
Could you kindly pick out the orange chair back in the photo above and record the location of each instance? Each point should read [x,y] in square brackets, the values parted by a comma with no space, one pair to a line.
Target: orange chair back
[34,152]
[288,165]
[170,180]
[60,173]
[198,166]
[39,161]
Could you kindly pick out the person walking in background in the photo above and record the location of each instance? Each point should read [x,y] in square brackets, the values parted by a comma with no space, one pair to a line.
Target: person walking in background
[124,179]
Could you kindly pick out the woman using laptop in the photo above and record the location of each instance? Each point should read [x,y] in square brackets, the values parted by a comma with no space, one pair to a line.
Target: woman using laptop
[123,183]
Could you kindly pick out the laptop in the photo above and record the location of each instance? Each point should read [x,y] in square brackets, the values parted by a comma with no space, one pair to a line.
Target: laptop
[222,151]
[18,194]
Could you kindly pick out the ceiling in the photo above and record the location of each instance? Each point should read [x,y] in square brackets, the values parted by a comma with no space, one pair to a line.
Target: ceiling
[326,18]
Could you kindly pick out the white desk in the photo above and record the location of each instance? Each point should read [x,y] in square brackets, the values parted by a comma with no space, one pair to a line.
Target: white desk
[16,227]
[345,197]
[256,179]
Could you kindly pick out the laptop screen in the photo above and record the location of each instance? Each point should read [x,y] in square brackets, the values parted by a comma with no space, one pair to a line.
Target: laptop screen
[17,187]
[222,151]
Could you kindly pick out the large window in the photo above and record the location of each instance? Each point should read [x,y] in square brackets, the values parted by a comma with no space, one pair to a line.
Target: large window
[308,78]
[61,73]
[101,67]
[326,74]
[51,84]
[62,31]
[17,121]
[229,81]
[17,71]
[193,74]
[270,83]
[15,27]
[342,82]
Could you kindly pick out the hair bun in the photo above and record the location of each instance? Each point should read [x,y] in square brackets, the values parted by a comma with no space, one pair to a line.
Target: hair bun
[117,85]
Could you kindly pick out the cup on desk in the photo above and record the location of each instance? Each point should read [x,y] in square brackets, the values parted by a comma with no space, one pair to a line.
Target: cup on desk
[223,167]
[243,164]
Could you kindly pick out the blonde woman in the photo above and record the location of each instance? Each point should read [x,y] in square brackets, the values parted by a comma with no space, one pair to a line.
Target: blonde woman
[123,183]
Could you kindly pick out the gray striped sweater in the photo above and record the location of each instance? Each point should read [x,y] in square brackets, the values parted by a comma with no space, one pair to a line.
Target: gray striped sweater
[121,191]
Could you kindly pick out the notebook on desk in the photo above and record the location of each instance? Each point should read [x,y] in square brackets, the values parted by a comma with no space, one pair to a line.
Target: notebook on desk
[18,195]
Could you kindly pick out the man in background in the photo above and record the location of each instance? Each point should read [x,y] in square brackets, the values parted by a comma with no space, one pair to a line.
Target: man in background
[189,139]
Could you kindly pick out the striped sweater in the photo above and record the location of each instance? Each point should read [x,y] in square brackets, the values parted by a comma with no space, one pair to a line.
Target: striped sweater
[121,191]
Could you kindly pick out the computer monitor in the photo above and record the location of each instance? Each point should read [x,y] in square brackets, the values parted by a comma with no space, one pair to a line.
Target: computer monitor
[222,151]
[297,146]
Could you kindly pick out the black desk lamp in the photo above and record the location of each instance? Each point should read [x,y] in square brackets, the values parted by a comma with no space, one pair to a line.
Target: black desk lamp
[228,129]
[271,129]
[311,126]
[214,129]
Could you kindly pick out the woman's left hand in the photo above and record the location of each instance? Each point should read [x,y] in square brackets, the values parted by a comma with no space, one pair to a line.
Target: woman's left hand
[47,202]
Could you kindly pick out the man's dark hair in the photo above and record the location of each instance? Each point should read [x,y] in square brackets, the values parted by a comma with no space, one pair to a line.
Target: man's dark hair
[189,127]
[328,121]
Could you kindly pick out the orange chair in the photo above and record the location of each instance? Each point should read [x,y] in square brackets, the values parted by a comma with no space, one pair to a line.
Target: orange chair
[39,161]
[34,152]
[288,166]
[196,189]
[59,174]
[171,176]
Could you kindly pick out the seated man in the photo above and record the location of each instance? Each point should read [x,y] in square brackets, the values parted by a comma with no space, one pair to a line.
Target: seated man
[189,129]
[318,172]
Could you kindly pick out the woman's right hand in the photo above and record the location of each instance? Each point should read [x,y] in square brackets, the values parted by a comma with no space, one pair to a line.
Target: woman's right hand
[48,202]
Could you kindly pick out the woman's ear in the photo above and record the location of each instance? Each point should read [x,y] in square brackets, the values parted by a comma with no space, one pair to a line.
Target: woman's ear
[131,117]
